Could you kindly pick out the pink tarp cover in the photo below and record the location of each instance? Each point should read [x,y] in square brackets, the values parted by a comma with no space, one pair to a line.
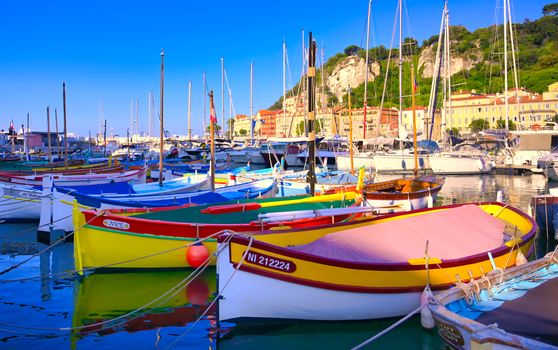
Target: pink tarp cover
[452,233]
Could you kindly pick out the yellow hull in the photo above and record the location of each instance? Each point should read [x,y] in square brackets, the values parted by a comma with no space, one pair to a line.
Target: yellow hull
[102,248]
[411,275]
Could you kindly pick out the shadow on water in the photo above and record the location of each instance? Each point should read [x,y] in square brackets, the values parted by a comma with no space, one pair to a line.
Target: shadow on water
[131,309]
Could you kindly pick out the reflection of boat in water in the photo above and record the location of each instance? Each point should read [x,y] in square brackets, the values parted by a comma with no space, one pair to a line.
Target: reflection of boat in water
[328,335]
[137,301]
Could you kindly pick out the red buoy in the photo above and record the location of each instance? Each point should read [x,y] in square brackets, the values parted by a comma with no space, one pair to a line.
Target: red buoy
[197,254]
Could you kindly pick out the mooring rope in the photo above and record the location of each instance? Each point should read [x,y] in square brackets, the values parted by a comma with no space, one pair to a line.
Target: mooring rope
[125,317]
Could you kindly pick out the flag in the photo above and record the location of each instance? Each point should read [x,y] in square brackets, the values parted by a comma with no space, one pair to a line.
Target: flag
[11,130]
[212,114]
[415,85]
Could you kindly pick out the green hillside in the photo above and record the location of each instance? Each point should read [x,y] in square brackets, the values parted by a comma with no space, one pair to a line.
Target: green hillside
[536,54]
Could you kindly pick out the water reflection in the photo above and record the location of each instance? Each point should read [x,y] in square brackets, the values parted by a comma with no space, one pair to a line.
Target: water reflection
[58,299]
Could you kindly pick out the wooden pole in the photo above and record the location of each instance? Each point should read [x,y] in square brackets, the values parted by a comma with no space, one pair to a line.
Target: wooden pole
[57,136]
[161,125]
[212,119]
[189,110]
[65,127]
[311,176]
[48,135]
[105,139]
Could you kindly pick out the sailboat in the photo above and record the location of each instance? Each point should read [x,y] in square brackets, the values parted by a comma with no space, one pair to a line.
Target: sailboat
[463,160]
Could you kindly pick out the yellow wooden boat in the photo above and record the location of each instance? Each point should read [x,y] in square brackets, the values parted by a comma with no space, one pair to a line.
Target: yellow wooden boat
[372,268]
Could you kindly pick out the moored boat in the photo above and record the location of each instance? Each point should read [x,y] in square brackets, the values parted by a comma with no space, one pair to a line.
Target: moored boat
[511,309]
[163,239]
[371,268]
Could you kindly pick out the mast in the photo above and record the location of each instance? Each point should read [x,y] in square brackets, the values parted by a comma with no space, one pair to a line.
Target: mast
[189,110]
[448,73]
[311,176]
[366,70]
[514,65]
[161,123]
[204,88]
[65,127]
[131,118]
[323,92]
[223,96]
[351,132]
[436,78]
[251,103]
[105,140]
[413,91]
[25,141]
[137,118]
[400,116]
[57,136]
[212,120]
[150,112]
[507,107]
[285,89]
[48,132]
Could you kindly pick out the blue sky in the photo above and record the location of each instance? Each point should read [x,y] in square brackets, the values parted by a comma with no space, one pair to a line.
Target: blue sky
[109,51]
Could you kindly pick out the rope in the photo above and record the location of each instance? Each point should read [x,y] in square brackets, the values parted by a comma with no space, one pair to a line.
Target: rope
[390,328]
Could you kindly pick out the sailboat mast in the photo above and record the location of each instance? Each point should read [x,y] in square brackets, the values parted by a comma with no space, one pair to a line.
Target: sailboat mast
[311,176]
[413,91]
[131,118]
[189,110]
[284,90]
[448,71]
[251,103]
[512,41]
[25,140]
[48,135]
[161,123]
[507,107]
[212,120]
[65,127]
[223,96]
[400,115]
[366,71]
[137,118]
[204,88]
[351,132]
[150,112]
[57,136]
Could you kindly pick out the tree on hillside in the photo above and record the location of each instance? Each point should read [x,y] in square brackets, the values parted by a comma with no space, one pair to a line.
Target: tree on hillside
[352,50]
[501,124]
[550,9]
[410,46]
[479,125]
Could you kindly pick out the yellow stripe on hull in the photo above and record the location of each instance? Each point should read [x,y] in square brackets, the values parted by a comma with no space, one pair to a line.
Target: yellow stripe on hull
[370,276]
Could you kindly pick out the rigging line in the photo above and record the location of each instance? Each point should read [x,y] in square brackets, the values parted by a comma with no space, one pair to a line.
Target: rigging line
[117,263]
[387,73]
[218,296]
[176,288]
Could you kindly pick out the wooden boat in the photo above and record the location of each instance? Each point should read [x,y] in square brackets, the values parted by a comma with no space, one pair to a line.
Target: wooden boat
[59,214]
[403,194]
[162,239]
[365,269]
[74,179]
[102,297]
[512,309]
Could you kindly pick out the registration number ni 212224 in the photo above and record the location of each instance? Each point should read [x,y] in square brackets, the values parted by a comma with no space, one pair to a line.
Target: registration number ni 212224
[270,262]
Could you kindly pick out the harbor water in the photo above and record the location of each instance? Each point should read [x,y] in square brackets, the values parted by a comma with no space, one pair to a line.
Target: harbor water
[44,305]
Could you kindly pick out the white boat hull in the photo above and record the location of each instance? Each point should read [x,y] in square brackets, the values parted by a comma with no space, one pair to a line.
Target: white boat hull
[344,162]
[19,203]
[460,165]
[286,300]
[399,163]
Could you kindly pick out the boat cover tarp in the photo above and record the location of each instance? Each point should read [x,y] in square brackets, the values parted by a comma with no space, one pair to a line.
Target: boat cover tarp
[534,315]
[452,233]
